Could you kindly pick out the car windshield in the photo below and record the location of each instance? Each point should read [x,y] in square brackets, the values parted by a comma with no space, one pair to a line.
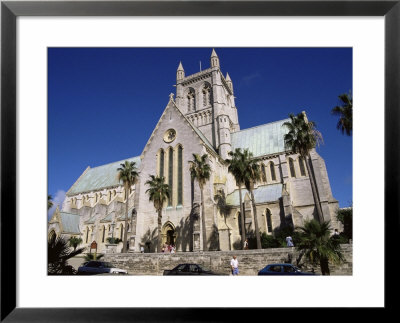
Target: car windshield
[108,265]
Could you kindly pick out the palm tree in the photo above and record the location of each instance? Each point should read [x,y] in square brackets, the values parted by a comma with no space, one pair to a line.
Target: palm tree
[128,174]
[252,174]
[158,193]
[201,170]
[318,246]
[58,253]
[49,202]
[236,167]
[345,111]
[301,138]
[74,242]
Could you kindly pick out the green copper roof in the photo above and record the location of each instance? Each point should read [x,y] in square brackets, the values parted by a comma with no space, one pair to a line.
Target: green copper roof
[70,222]
[262,194]
[262,140]
[100,177]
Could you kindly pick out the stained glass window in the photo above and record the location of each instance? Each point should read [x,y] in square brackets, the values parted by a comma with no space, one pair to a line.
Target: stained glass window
[180,173]
[272,167]
[170,175]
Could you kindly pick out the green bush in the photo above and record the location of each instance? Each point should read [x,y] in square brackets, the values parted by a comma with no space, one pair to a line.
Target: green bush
[345,216]
[90,256]
[114,240]
[269,241]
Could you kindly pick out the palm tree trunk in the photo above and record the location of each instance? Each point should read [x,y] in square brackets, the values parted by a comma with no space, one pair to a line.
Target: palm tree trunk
[159,230]
[126,220]
[324,264]
[242,216]
[314,189]
[203,220]
[253,203]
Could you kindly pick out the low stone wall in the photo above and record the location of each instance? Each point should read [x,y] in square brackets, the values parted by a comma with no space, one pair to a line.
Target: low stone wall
[250,261]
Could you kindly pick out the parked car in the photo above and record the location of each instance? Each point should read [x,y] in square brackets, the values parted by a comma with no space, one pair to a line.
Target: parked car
[189,269]
[99,267]
[282,269]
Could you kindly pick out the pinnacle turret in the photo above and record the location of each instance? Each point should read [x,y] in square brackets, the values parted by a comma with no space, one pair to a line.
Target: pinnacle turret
[214,59]
[180,73]
[229,82]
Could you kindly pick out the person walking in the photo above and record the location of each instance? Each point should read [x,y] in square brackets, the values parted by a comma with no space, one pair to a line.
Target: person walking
[235,266]
[289,241]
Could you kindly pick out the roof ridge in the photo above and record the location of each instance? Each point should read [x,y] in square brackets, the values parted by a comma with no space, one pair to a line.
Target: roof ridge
[262,125]
[118,161]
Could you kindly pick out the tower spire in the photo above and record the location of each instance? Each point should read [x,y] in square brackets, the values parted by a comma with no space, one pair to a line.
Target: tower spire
[180,73]
[214,59]
[229,82]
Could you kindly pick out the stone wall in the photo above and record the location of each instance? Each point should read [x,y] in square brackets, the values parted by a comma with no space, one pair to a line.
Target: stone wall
[250,261]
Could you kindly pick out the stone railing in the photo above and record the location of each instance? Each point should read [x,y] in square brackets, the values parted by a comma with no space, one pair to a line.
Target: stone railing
[250,261]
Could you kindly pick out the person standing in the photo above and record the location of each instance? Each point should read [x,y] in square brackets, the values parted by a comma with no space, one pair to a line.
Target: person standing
[246,244]
[289,241]
[235,266]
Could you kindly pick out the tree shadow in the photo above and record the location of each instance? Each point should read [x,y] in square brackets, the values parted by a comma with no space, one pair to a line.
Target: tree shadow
[184,234]
[149,240]
[214,239]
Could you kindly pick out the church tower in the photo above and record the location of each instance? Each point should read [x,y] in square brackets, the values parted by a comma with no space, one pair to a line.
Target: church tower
[206,99]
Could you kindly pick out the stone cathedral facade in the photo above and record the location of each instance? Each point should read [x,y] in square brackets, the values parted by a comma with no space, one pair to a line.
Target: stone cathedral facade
[202,119]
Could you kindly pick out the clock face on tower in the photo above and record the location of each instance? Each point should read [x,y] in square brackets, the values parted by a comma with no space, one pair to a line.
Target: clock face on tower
[170,135]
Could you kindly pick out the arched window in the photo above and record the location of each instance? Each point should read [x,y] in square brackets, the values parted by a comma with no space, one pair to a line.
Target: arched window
[96,198]
[87,234]
[269,220]
[239,218]
[180,175]
[301,164]
[191,100]
[161,170]
[170,175]
[272,168]
[206,95]
[128,227]
[291,166]
[109,196]
[263,174]
[104,234]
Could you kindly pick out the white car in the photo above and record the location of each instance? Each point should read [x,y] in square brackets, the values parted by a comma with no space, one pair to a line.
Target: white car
[99,267]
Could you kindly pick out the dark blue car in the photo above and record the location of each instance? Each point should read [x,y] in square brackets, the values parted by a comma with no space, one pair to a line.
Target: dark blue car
[282,269]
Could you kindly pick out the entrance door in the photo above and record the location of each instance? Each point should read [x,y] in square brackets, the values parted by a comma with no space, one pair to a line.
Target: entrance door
[170,237]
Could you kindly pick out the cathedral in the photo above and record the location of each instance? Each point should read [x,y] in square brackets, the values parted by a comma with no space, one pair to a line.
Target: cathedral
[201,119]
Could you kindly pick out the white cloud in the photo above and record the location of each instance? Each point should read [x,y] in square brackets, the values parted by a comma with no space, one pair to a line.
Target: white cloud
[58,199]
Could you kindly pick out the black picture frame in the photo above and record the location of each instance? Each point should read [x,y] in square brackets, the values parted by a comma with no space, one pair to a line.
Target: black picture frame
[10,10]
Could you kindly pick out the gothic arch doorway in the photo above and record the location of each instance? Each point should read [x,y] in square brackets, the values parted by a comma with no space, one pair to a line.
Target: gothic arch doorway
[168,234]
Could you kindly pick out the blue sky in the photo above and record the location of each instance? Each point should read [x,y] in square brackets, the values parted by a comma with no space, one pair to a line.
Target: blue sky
[103,103]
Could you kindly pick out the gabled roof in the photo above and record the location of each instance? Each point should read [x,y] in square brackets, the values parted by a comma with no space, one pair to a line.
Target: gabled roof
[69,222]
[171,103]
[262,194]
[99,177]
[261,140]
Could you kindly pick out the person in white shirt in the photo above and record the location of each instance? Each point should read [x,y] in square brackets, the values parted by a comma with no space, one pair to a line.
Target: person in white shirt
[289,241]
[235,266]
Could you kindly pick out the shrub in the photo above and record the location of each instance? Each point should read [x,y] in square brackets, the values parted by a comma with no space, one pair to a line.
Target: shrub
[269,241]
[345,216]
[114,240]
